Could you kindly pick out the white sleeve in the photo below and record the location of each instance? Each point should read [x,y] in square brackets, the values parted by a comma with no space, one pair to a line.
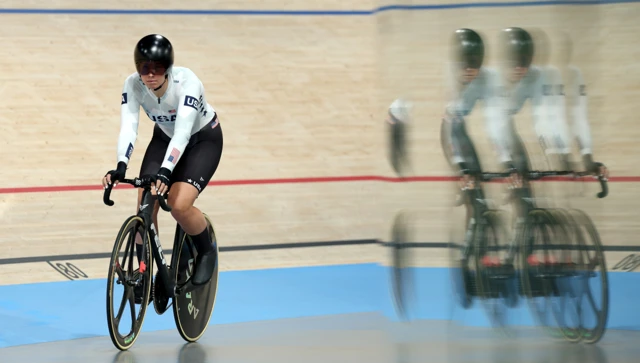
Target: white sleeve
[550,126]
[453,117]
[581,128]
[558,112]
[129,118]
[400,109]
[497,118]
[189,105]
[448,124]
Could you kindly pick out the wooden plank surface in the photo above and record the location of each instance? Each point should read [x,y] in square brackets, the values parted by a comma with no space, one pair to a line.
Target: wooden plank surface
[299,97]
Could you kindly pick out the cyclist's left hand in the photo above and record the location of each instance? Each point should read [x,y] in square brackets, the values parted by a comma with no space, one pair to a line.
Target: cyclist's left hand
[594,167]
[601,169]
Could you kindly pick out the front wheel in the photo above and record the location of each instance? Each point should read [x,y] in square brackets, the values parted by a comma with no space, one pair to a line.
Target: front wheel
[546,274]
[124,278]
[594,280]
[192,311]
[401,272]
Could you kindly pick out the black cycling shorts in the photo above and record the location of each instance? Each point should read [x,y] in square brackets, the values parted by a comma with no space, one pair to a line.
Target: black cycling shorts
[199,161]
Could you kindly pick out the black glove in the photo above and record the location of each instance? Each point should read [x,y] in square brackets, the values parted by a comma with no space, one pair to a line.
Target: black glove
[464,168]
[515,178]
[511,169]
[164,175]
[119,173]
[590,165]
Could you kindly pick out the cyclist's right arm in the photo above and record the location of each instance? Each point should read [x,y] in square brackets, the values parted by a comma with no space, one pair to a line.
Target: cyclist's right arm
[129,119]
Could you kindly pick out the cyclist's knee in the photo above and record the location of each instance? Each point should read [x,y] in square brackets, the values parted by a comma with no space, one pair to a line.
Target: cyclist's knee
[180,207]
[181,199]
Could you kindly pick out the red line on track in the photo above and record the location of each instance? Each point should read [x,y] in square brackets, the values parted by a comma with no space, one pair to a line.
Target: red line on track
[331,179]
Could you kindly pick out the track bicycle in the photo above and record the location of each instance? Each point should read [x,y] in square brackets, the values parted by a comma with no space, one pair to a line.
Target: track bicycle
[564,268]
[192,305]
[488,268]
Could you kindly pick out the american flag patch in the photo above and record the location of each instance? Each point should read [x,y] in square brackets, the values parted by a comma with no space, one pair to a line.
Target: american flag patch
[173,157]
[129,151]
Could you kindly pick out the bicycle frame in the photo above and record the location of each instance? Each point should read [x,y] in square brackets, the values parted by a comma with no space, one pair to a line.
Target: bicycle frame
[474,198]
[522,198]
[145,210]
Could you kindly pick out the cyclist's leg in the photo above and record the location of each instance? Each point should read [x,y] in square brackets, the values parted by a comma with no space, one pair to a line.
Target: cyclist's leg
[522,164]
[458,147]
[446,144]
[472,162]
[150,165]
[468,150]
[189,179]
[519,152]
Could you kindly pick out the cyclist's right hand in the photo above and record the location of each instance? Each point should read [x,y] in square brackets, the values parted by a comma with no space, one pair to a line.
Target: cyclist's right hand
[114,176]
[515,179]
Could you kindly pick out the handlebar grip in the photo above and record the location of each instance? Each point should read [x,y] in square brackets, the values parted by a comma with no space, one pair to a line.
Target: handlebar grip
[604,186]
[107,196]
[163,204]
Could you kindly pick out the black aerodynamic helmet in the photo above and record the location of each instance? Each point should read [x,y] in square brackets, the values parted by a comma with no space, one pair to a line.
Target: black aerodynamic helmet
[517,46]
[467,48]
[153,48]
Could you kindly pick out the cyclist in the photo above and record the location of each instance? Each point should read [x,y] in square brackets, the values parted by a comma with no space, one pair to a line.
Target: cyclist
[576,94]
[542,85]
[469,83]
[186,146]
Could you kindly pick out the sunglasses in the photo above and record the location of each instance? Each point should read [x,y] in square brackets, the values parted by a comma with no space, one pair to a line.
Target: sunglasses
[151,67]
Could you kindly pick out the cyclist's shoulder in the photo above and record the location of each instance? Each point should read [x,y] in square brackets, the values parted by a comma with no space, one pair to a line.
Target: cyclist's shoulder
[133,83]
[185,75]
[491,80]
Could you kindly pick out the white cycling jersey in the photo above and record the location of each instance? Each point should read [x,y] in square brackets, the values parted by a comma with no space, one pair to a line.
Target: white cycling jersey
[485,87]
[576,91]
[181,112]
[543,87]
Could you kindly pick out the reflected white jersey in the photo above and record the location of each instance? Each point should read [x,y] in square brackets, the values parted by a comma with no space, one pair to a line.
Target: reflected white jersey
[576,90]
[486,87]
[543,87]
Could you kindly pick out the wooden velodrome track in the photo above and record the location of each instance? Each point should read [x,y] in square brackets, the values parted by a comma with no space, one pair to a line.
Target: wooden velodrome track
[300,97]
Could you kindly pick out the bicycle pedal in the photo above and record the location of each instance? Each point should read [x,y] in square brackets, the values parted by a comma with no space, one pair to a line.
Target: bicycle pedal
[186,288]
